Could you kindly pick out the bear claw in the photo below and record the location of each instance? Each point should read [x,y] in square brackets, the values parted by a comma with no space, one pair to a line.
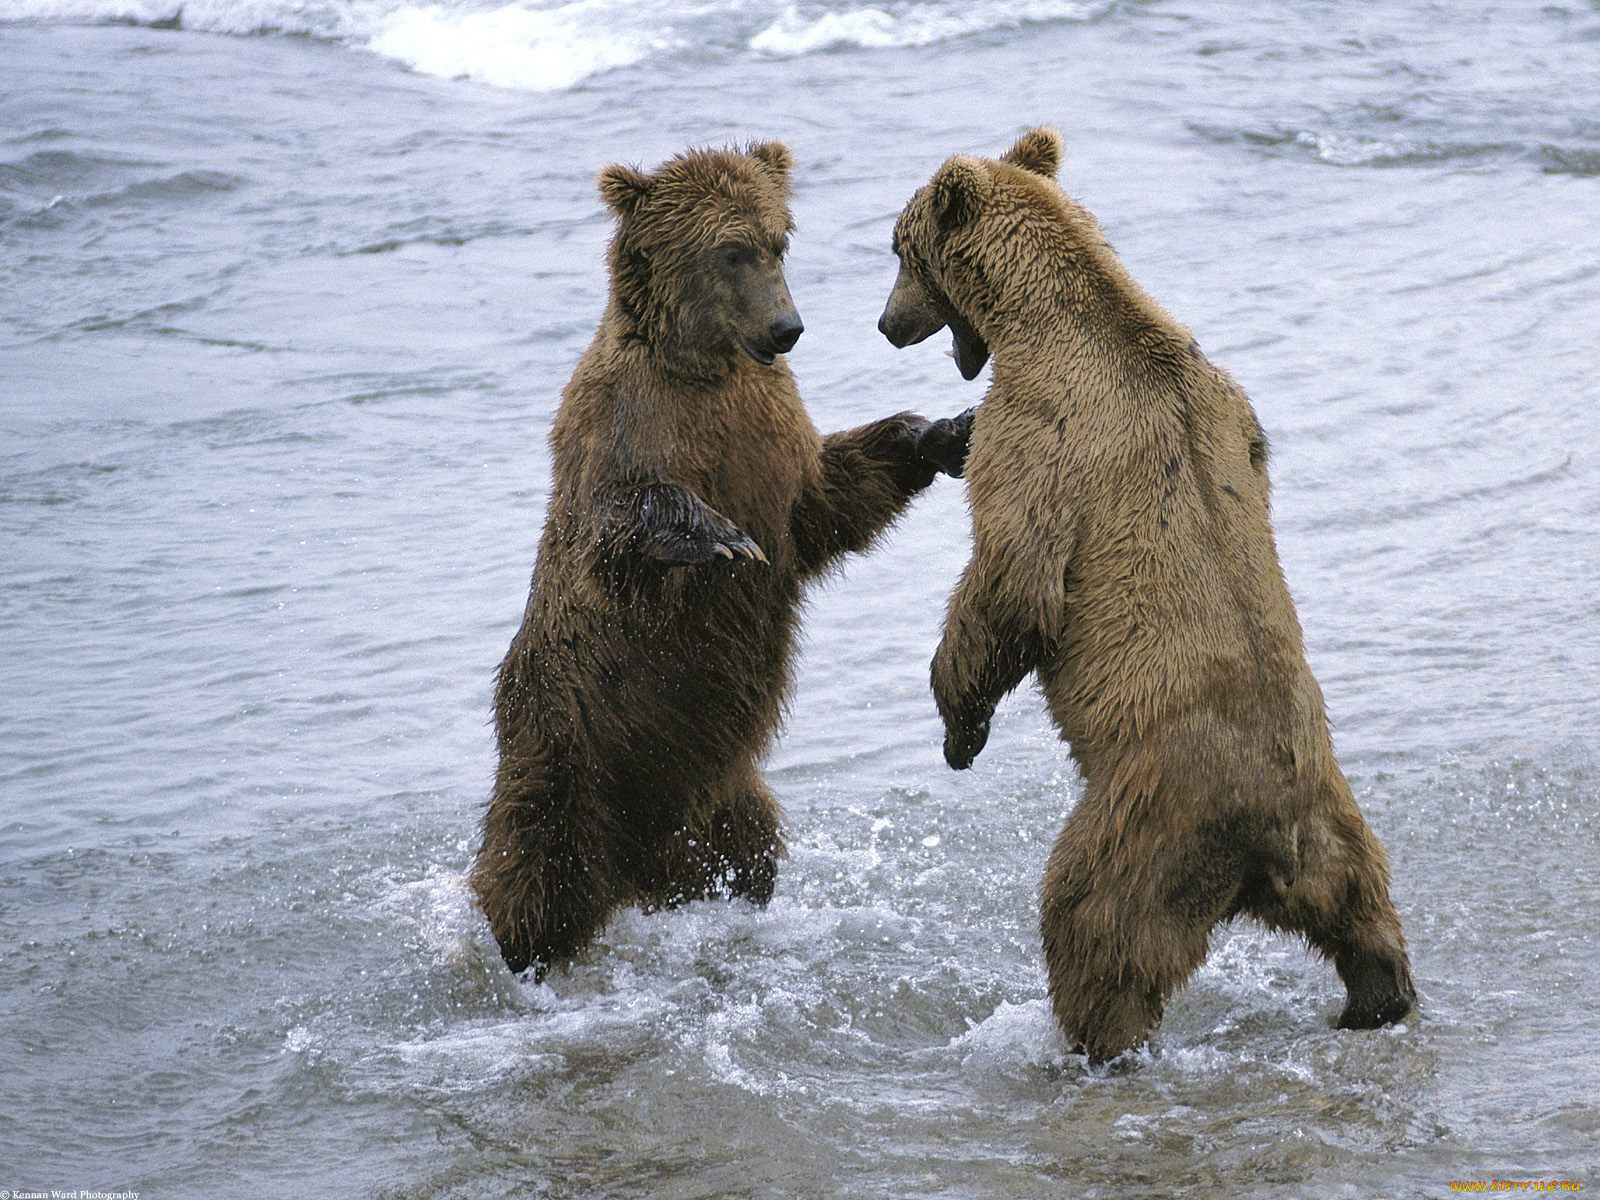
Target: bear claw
[742,547]
[697,549]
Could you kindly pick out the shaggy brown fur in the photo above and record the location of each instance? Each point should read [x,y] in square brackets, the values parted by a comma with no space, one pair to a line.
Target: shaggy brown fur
[692,499]
[1123,553]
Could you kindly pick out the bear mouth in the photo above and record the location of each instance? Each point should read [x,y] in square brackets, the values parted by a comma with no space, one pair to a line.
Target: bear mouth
[765,357]
[969,350]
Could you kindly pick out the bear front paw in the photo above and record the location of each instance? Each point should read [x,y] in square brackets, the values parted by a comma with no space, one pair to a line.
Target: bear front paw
[897,442]
[963,745]
[944,443]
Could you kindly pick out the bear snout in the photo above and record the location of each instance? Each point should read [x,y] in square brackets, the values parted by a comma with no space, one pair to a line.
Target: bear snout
[897,335]
[786,331]
[898,341]
[904,328]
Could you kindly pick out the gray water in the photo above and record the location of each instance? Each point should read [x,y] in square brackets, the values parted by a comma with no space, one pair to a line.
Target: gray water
[287,295]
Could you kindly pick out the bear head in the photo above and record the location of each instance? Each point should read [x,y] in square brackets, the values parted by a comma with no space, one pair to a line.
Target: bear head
[959,246]
[697,259]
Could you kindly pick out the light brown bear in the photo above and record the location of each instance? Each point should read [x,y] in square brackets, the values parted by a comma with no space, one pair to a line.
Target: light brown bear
[1123,553]
[692,500]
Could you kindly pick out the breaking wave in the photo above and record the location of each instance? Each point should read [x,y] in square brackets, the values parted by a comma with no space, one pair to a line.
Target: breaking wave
[1356,148]
[806,29]
[544,47]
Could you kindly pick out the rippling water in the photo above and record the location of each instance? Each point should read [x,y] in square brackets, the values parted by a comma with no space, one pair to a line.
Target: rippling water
[282,322]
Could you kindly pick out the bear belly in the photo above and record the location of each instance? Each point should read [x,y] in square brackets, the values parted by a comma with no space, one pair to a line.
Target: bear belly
[668,691]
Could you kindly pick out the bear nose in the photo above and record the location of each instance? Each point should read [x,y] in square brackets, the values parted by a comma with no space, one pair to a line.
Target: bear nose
[896,337]
[786,331]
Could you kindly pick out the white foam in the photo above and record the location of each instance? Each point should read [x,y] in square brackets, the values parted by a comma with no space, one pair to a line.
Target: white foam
[210,16]
[536,45]
[904,25]
[1343,151]
[527,45]
[473,1054]
[741,1022]
[1013,1037]
[143,12]
[516,46]
[444,912]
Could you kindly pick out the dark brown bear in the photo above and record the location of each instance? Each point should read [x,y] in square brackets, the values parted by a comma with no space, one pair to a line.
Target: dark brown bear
[692,500]
[1123,554]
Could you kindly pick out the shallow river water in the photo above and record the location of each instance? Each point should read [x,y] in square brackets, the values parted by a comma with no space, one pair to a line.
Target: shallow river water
[287,295]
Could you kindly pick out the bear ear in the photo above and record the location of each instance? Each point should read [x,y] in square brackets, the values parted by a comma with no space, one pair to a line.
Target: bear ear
[623,187]
[1038,150]
[775,157]
[958,190]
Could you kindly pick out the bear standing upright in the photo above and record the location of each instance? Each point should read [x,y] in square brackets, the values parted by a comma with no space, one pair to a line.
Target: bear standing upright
[1123,553]
[692,498]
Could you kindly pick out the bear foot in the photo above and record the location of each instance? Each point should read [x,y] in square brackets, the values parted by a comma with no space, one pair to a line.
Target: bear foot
[1379,993]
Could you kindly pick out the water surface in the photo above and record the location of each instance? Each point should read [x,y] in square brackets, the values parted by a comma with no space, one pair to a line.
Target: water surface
[287,295]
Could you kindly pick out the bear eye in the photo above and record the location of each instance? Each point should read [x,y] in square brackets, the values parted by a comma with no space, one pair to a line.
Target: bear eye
[735,254]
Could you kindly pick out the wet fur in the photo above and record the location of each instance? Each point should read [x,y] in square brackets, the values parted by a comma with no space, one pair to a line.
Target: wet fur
[692,500]
[1123,553]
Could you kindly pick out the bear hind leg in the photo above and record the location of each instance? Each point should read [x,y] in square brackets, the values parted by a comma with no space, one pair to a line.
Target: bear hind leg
[1339,901]
[1378,989]
[731,849]
[745,840]
[1119,939]
[543,879]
